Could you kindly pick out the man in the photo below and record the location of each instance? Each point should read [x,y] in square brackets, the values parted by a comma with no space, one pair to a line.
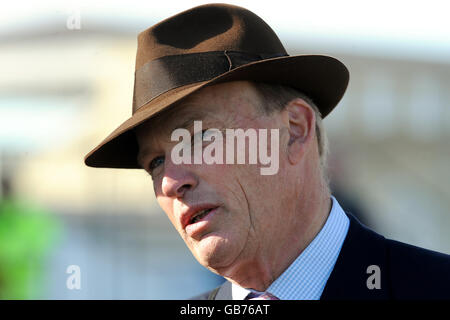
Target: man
[272,235]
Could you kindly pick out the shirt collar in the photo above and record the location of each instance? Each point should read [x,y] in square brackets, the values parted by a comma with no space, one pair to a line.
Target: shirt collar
[306,277]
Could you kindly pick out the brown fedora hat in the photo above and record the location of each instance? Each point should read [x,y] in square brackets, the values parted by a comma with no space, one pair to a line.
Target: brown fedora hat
[206,45]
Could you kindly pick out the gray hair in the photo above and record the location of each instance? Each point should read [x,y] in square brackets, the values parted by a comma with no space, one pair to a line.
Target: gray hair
[276,97]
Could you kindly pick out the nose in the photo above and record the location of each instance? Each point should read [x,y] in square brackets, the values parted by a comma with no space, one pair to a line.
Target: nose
[177,180]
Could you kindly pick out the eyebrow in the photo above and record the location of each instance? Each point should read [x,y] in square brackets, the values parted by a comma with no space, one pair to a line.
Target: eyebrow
[187,123]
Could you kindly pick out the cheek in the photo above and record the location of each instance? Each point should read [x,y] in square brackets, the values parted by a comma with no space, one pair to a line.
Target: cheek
[260,192]
[227,182]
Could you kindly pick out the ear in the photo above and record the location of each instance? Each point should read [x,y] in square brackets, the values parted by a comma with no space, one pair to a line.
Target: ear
[300,119]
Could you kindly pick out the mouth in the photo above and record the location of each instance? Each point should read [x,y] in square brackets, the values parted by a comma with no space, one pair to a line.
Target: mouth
[198,216]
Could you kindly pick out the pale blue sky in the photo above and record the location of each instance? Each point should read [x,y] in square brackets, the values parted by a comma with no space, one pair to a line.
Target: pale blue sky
[409,29]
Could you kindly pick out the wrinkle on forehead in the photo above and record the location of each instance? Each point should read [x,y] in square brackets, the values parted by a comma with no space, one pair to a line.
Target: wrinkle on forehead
[208,104]
[207,100]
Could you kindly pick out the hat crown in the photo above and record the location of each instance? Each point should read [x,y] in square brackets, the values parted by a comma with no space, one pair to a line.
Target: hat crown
[211,27]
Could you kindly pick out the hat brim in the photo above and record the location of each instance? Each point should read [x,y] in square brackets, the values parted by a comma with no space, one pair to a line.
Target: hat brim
[322,78]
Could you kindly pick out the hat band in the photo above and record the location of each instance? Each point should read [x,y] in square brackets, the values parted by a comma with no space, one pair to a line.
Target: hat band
[163,74]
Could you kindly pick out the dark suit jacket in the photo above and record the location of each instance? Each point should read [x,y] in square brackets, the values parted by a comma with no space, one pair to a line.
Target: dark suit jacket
[406,271]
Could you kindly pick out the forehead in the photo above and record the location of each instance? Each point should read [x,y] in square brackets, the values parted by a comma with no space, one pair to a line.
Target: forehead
[221,102]
[220,105]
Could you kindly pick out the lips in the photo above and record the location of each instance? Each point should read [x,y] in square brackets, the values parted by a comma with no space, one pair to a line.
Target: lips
[195,213]
[199,215]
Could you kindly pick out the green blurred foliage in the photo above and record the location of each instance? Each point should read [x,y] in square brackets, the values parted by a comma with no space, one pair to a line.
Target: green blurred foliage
[27,234]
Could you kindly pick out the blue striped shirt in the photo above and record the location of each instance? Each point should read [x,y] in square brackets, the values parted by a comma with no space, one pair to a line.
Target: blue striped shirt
[307,276]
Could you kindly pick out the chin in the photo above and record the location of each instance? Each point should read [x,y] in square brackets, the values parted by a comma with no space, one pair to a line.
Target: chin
[215,252]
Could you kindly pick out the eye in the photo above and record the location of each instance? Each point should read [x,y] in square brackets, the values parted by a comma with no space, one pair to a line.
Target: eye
[198,137]
[156,162]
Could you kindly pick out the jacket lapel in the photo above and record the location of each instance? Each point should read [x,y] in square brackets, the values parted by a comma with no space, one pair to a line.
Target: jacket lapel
[361,248]
[224,292]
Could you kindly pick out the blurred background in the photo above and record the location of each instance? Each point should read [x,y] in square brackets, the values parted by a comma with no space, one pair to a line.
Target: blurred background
[66,82]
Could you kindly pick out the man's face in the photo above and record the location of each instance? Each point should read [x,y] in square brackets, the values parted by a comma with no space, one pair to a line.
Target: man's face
[249,210]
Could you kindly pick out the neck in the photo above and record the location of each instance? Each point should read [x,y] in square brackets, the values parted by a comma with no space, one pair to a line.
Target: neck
[272,258]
